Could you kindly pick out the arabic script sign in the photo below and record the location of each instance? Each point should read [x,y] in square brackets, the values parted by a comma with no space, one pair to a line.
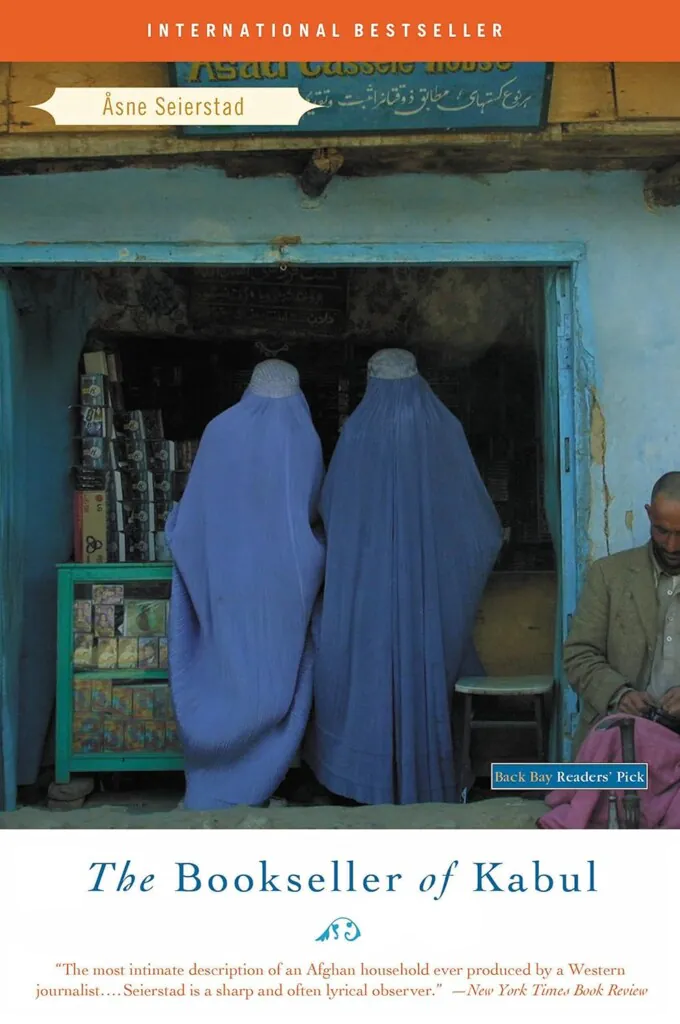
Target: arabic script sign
[303,300]
[390,97]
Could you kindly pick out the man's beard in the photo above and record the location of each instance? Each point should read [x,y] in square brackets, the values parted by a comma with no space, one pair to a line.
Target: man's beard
[673,566]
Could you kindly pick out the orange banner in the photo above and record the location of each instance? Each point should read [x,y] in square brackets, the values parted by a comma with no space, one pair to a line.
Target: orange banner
[181,30]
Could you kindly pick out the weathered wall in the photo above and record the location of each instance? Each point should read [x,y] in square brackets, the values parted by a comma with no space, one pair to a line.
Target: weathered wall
[631,315]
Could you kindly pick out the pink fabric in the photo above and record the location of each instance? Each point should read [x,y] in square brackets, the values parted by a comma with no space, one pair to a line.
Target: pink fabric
[656,745]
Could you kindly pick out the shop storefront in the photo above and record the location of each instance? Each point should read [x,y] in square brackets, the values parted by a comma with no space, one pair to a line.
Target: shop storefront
[537,287]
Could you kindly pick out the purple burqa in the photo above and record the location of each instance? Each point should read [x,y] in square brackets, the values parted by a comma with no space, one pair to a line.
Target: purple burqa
[248,567]
[412,536]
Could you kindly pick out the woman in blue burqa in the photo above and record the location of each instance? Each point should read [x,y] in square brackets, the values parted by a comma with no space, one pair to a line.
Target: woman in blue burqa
[248,566]
[412,536]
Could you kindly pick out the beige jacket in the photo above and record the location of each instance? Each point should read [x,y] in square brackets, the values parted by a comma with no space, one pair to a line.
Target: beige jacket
[613,633]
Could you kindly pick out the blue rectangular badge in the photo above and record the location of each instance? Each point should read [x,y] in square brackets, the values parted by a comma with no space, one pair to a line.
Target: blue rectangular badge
[539,775]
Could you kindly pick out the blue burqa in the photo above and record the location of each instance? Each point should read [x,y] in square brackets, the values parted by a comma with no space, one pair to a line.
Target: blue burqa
[412,536]
[248,567]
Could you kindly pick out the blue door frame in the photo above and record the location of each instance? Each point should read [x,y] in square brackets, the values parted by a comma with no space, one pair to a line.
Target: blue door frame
[572,340]
[11,546]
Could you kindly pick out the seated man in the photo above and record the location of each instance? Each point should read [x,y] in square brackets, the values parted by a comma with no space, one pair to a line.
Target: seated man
[623,650]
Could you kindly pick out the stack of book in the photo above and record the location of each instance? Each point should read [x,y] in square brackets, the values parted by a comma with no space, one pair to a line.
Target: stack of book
[129,476]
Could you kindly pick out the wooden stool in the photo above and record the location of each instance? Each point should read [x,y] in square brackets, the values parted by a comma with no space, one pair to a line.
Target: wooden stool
[540,688]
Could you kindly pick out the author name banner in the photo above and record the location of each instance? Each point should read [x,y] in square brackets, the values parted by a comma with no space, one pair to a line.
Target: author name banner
[244,924]
[136,107]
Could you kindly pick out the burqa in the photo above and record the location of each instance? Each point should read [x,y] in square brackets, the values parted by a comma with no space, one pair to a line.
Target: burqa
[412,536]
[248,566]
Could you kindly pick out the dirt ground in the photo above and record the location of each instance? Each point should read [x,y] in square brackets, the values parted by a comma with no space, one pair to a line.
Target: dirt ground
[501,813]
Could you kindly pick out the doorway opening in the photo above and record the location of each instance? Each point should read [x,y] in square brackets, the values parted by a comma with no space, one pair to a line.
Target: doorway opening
[177,346]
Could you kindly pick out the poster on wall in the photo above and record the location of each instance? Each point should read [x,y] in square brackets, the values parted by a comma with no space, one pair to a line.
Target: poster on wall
[389,98]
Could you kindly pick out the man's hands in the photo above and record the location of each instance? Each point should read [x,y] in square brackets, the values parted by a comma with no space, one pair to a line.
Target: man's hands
[671,702]
[635,703]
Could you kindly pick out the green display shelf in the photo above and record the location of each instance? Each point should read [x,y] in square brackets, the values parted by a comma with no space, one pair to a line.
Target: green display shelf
[114,711]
